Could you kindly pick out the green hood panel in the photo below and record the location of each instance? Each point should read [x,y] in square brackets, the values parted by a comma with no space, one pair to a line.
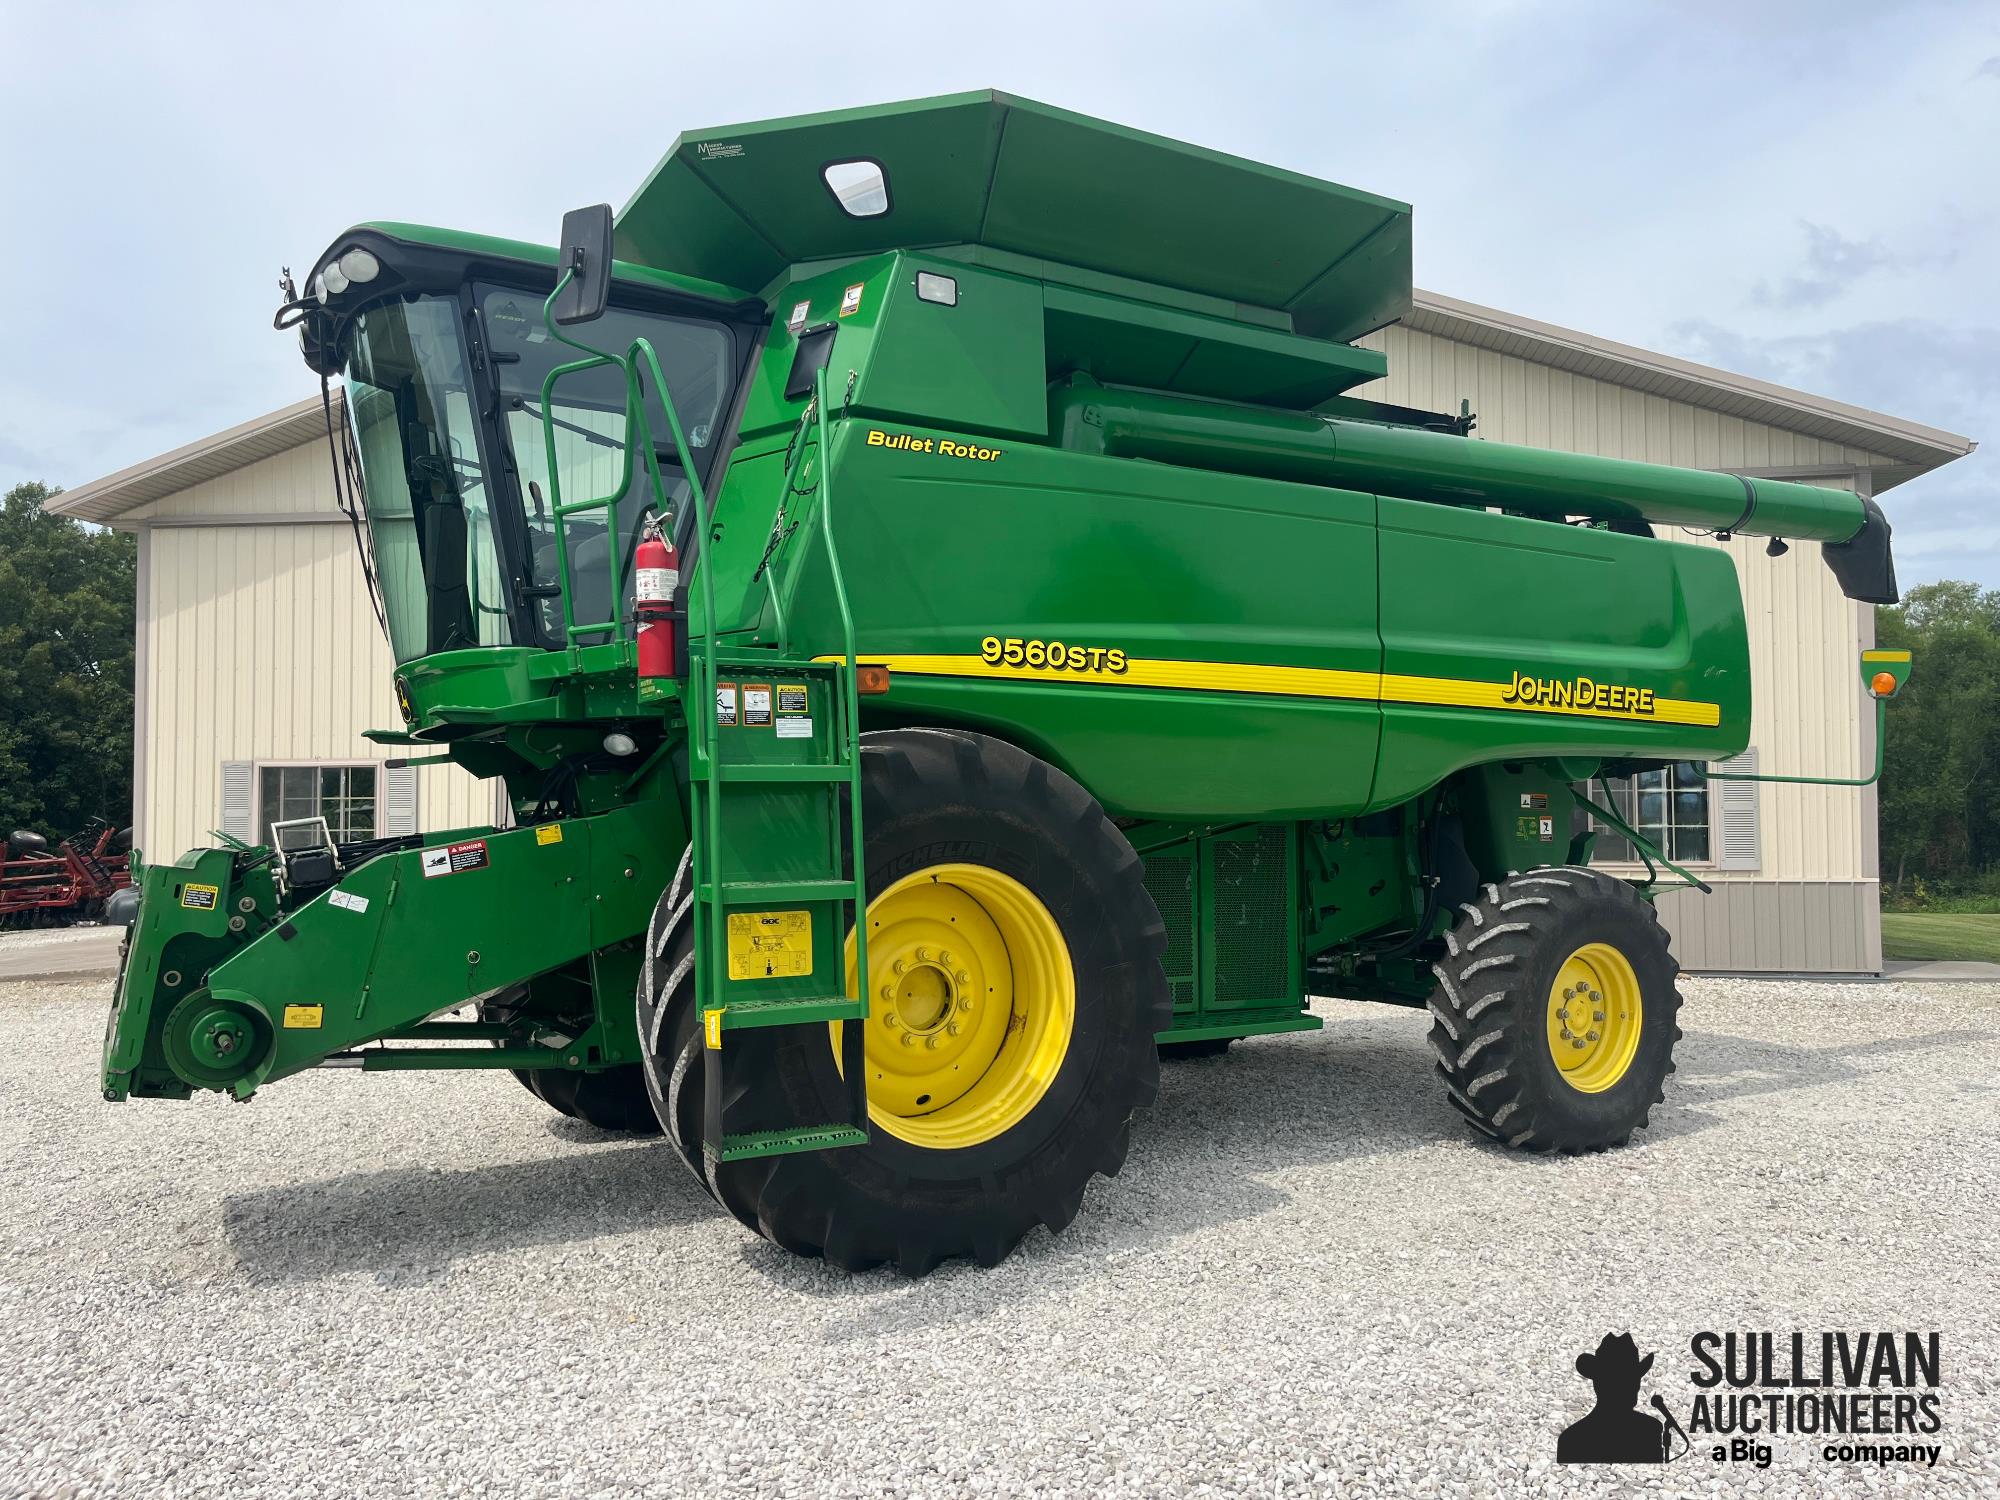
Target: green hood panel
[741,203]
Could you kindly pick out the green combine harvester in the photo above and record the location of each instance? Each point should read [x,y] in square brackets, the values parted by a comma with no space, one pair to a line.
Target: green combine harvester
[948,640]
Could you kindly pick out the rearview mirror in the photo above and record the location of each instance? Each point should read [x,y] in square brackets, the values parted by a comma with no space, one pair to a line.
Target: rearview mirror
[586,255]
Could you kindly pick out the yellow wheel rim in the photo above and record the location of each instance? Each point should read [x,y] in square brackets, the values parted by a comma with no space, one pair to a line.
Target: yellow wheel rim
[972,1002]
[1594,1017]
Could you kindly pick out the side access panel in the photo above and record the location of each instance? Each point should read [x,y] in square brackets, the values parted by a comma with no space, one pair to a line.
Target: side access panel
[1217,633]
[1507,637]
[1230,903]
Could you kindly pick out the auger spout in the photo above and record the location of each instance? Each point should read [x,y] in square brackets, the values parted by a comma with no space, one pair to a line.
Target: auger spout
[1419,465]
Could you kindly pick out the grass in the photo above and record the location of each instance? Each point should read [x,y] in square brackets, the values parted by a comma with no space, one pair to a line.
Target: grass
[1942,935]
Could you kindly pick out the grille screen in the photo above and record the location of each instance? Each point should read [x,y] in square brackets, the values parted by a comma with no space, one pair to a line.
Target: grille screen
[1252,925]
[1170,882]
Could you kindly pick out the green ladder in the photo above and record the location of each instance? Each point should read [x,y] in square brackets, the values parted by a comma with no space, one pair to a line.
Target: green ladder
[755,806]
[773,777]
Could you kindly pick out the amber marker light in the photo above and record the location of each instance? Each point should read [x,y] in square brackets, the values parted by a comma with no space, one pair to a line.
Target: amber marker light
[872,682]
[1883,685]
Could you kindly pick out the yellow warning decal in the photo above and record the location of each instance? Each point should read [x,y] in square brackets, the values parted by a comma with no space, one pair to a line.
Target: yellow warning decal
[200,897]
[1519,694]
[770,944]
[711,1028]
[304,1017]
[549,833]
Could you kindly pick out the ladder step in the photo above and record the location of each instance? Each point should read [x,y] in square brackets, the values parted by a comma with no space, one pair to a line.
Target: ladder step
[753,773]
[769,892]
[766,662]
[756,1143]
[738,1015]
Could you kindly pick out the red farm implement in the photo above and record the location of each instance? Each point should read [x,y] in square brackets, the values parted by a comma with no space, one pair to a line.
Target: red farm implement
[44,887]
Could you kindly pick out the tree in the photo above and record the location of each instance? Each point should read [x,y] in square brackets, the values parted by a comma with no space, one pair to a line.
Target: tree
[1941,782]
[66,616]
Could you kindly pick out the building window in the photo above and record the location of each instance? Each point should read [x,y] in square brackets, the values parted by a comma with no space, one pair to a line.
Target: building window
[1669,806]
[343,795]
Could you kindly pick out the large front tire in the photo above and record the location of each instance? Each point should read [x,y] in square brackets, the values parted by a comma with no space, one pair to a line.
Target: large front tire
[1556,1011]
[1015,989]
[669,1028]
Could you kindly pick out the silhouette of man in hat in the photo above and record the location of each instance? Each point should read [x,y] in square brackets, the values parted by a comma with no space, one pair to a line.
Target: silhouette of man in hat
[1614,1432]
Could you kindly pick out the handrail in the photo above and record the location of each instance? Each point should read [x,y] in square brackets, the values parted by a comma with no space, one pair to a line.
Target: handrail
[559,509]
[795,461]
[635,422]
[850,724]
[1881,742]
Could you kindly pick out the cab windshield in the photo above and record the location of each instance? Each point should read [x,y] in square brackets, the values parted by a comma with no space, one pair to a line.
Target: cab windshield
[460,509]
[429,504]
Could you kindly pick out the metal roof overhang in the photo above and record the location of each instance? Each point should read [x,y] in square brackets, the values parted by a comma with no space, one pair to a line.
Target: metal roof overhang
[105,500]
[1911,447]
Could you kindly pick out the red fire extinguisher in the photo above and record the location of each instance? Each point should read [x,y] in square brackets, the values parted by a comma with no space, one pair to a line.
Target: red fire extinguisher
[659,579]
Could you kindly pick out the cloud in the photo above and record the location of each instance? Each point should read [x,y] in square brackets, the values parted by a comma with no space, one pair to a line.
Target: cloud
[1947,522]
[1988,69]
[1833,264]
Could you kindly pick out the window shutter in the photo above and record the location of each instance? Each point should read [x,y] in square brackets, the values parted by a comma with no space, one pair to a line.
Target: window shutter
[1733,810]
[399,801]
[239,782]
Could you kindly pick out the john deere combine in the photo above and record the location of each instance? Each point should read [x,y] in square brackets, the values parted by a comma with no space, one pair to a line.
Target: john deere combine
[947,638]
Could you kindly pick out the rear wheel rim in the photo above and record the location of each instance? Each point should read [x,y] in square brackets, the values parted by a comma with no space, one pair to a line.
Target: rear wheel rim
[1595,1014]
[972,1005]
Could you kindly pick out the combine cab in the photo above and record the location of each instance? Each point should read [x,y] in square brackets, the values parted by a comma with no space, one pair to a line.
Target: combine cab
[948,637]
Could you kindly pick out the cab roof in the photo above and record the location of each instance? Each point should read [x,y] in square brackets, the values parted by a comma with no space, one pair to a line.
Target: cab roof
[740,204]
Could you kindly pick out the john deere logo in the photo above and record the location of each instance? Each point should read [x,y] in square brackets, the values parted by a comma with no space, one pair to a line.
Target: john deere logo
[403,703]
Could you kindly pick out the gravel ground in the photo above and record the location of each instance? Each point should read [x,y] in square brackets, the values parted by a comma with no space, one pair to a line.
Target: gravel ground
[1309,1278]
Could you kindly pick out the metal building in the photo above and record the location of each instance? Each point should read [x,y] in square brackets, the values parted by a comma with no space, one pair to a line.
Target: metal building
[259,663]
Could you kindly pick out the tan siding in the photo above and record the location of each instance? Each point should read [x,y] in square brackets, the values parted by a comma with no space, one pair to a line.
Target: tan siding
[264,649]
[296,482]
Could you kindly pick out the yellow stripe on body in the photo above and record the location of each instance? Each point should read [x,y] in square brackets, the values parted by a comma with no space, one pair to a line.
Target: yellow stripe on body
[1288,682]
[1454,692]
[1885,656]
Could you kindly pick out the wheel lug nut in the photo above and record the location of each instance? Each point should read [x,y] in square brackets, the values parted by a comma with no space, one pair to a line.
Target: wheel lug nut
[899,967]
[951,1028]
[923,955]
[961,979]
[909,1039]
[1579,1044]
[1591,1035]
[1597,1015]
[888,992]
[944,957]
[965,1002]
[932,1041]
[1569,994]
[1567,1033]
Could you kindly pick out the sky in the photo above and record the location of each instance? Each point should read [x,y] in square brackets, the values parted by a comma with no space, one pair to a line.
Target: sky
[1808,193]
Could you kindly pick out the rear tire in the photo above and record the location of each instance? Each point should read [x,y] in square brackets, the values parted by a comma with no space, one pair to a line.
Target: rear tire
[613,1099]
[1556,1011]
[967,830]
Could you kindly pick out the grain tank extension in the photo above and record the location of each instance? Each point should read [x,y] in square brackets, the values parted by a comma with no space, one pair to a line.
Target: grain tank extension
[949,639]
